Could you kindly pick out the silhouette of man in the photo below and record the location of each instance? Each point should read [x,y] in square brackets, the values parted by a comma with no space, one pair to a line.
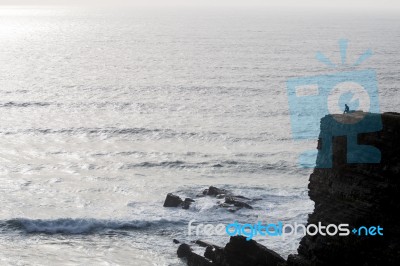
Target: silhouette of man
[346,109]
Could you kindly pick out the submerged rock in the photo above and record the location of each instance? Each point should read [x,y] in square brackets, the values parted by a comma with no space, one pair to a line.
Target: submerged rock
[237,203]
[214,191]
[232,202]
[186,203]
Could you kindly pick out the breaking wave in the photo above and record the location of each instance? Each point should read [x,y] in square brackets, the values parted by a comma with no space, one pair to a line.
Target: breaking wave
[80,226]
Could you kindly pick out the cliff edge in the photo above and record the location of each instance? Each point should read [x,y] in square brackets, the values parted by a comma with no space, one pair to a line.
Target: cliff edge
[347,189]
[358,194]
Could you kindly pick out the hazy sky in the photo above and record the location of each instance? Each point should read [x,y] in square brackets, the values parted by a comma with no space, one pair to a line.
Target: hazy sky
[381,4]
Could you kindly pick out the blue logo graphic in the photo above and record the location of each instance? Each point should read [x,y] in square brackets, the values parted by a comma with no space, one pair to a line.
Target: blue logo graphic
[348,104]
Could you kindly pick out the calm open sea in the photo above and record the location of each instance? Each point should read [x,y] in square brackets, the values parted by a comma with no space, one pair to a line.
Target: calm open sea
[102,113]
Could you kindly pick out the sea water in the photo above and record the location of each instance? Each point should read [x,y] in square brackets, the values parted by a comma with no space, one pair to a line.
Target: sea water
[104,112]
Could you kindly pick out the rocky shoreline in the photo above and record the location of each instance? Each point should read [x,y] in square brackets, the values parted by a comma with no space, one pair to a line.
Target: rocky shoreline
[355,194]
[237,252]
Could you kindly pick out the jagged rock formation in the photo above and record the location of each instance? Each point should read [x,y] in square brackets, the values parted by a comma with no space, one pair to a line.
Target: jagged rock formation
[232,202]
[358,195]
[172,201]
[175,201]
[238,252]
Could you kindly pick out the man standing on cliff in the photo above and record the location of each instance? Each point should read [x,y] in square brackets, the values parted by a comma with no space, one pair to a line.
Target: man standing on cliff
[346,109]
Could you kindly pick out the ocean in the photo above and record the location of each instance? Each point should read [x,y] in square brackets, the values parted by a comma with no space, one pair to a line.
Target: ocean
[104,112]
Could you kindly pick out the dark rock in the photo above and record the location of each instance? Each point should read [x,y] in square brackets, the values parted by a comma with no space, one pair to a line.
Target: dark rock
[189,200]
[242,197]
[172,200]
[214,191]
[355,194]
[196,260]
[186,203]
[193,259]
[203,243]
[175,241]
[184,250]
[175,201]
[223,193]
[210,253]
[230,199]
[238,252]
[237,203]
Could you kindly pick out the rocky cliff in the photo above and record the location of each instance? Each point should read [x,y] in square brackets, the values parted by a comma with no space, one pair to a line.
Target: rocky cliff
[358,194]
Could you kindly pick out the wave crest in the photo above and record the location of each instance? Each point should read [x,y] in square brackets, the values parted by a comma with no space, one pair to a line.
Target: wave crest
[79,226]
